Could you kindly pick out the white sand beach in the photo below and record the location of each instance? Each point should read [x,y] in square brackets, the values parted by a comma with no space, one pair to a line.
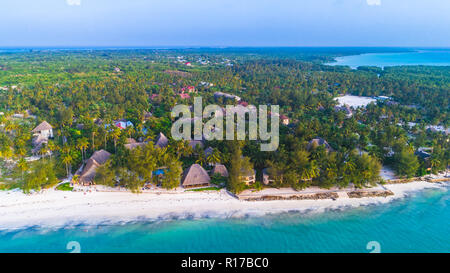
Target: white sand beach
[55,209]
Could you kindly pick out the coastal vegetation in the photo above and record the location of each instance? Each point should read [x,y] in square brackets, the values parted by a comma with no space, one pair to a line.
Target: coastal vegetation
[82,94]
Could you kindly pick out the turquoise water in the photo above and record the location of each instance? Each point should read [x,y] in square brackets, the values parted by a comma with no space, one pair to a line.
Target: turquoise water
[419,223]
[422,57]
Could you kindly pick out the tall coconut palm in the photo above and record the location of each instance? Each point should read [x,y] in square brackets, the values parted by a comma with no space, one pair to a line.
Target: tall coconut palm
[214,158]
[115,134]
[83,144]
[67,159]
[23,166]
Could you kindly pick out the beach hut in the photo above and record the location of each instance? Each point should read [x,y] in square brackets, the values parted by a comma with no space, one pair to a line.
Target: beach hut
[195,176]
[44,129]
[248,176]
[220,170]
[97,159]
[161,141]
[266,177]
[319,142]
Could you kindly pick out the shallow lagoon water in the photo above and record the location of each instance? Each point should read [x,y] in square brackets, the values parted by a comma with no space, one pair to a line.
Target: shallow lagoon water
[421,57]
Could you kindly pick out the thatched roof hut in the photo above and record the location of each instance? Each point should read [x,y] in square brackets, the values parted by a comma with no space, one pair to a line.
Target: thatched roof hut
[43,126]
[89,170]
[195,176]
[319,142]
[162,141]
[220,169]
[131,146]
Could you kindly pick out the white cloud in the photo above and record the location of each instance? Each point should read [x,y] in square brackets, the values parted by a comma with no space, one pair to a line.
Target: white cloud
[78,2]
[374,2]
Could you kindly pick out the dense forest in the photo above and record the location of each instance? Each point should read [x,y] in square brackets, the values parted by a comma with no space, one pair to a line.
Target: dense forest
[79,92]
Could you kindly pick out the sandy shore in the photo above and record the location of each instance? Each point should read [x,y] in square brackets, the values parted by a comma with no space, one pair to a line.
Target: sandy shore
[57,209]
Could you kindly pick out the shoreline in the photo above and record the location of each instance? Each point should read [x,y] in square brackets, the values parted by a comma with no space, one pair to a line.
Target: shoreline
[59,209]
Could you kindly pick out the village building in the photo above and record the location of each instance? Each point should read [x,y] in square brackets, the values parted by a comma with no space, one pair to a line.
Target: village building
[99,158]
[195,176]
[184,96]
[147,116]
[161,141]
[188,89]
[266,177]
[319,142]
[41,134]
[248,176]
[219,169]
[346,109]
[284,120]
[44,129]
[123,124]
[226,96]
[131,144]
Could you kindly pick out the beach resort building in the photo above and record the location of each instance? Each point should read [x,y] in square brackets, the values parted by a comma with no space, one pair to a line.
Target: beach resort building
[266,177]
[319,142]
[284,120]
[41,134]
[195,176]
[226,96]
[248,176]
[44,129]
[161,141]
[346,109]
[89,170]
[131,144]
[220,170]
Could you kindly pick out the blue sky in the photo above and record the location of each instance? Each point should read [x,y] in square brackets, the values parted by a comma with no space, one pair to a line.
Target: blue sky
[225,23]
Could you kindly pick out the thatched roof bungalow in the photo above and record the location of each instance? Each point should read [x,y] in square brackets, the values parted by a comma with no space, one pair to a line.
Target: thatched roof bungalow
[248,176]
[319,142]
[97,159]
[195,176]
[43,129]
[162,141]
[220,169]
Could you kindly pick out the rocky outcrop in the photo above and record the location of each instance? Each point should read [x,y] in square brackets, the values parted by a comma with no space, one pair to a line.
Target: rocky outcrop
[361,194]
[316,196]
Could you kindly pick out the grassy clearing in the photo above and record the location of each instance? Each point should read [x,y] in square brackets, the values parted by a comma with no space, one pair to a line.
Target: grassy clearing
[206,189]
[64,187]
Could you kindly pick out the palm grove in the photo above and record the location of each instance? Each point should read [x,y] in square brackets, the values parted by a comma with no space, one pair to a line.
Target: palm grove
[80,92]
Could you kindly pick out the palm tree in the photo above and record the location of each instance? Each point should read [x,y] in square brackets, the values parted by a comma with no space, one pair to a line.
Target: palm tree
[311,171]
[93,135]
[83,144]
[115,134]
[23,165]
[215,157]
[10,126]
[52,147]
[201,159]
[67,160]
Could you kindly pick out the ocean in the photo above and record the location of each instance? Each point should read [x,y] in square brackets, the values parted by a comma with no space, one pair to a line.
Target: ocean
[419,57]
[417,223]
